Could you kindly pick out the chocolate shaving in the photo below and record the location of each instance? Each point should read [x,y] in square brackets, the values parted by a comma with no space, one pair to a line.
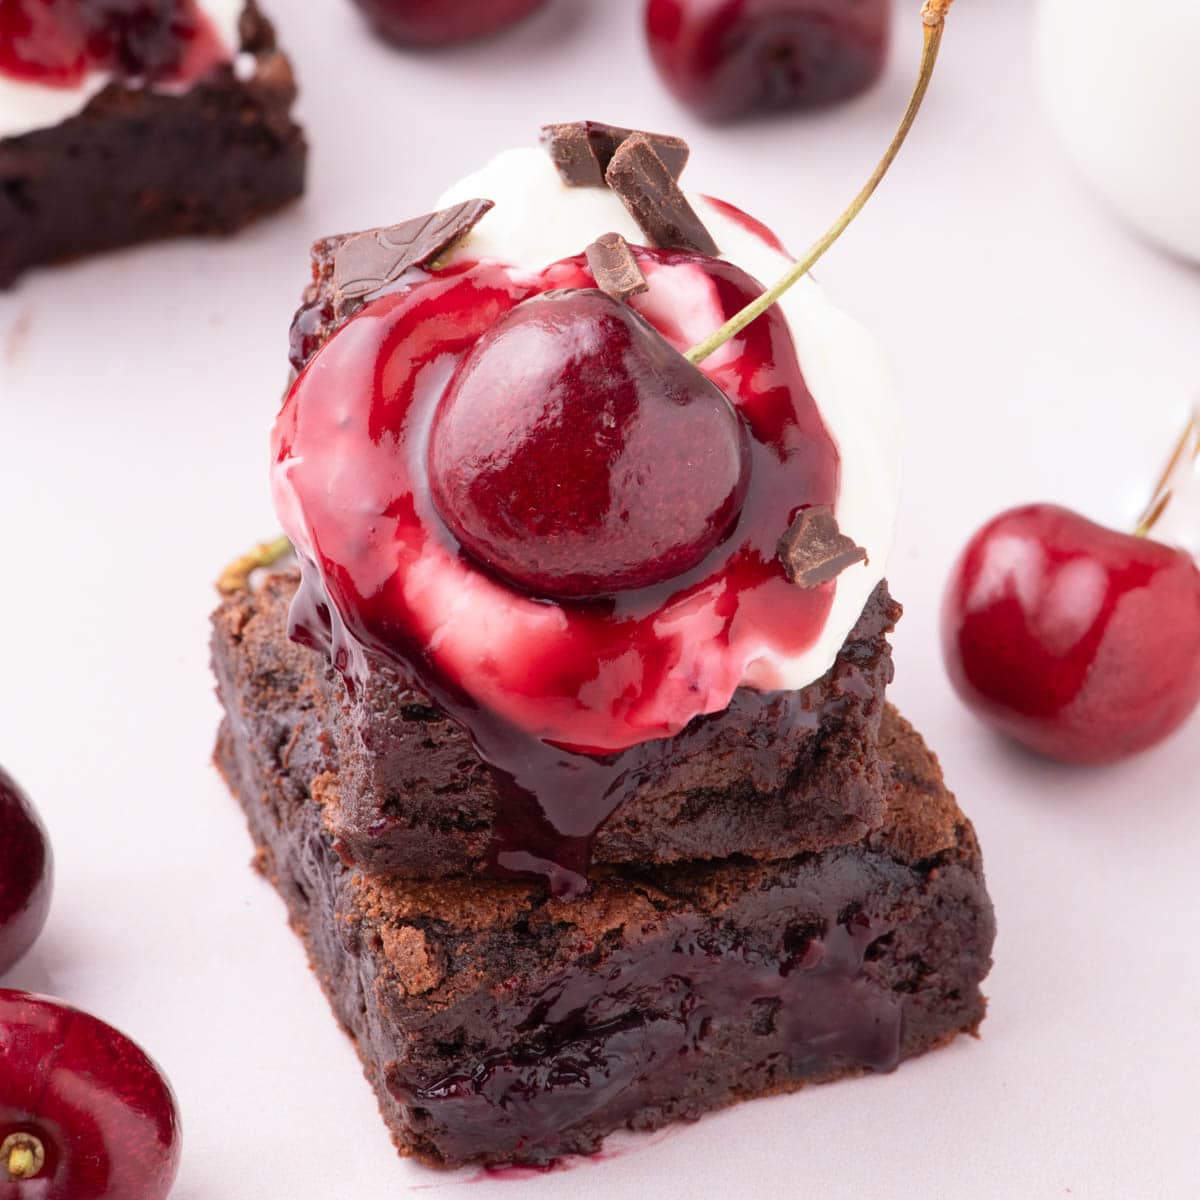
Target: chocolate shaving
[654,200]
[366,263]
[614,267]
[582,150]
[814,550]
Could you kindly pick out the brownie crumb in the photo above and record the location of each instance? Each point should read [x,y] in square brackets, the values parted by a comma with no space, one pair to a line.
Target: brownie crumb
[417,965]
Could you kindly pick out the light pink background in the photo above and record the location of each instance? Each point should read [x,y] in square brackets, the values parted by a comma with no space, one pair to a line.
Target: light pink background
[1039,353]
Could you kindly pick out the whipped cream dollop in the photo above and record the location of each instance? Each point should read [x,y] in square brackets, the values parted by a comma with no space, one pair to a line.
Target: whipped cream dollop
[537,219]
[27,105]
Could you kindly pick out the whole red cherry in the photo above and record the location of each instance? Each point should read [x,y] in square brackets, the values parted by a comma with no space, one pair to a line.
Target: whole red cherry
[1078,641]
[442,22]
[26,873]
[726,58]
[84,1113]
[578,454]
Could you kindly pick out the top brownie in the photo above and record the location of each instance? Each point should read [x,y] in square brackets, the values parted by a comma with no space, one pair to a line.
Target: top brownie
[774,775]
[426,782]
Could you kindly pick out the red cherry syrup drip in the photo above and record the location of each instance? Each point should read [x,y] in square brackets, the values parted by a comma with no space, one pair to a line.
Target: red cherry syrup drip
[579,690]
[59,42]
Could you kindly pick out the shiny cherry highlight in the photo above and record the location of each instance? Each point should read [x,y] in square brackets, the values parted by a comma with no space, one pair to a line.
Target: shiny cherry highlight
[26,873]
[576,453]
[84,1113]
[1080,642]
[728,58]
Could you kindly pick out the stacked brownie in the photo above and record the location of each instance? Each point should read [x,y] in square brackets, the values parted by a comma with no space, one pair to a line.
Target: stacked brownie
[500,1025]
[784,892]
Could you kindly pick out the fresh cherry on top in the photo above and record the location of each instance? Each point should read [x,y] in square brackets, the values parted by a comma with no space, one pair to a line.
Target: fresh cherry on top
[1078,641]
[443,22]
[84,1113]
[649,459]
[26,873]
[727,58]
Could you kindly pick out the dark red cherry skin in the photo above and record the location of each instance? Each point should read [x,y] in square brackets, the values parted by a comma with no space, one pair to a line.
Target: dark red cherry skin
[577,454]
[1075,640]
[443,22]
[727,58]
[100,1108]
[26,873]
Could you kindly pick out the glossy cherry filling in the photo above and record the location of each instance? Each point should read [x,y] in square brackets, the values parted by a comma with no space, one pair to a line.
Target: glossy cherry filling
[60,42]
[594,1039]
[556,695]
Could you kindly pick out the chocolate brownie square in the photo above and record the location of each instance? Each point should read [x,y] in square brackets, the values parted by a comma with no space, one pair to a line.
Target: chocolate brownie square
[773,775]
[498,1024]
[138,164]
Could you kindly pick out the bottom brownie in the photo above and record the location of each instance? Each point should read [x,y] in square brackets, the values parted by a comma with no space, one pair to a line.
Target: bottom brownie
[499,1025]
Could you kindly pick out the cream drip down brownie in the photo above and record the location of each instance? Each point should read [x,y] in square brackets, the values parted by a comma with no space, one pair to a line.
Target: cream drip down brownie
[566,744]
[122,121]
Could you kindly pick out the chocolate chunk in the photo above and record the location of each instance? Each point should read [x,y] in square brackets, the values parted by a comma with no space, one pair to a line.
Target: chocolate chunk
[814,550]
[653,198]
[368,262]
[582,150]
[614,267]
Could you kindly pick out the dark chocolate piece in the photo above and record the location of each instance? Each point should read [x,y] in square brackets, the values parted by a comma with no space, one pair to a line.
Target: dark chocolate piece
[654,199]
[815,551]
[366,263]
[497,1025]
[582,150]
[774,774]
[137,164]
[615,268]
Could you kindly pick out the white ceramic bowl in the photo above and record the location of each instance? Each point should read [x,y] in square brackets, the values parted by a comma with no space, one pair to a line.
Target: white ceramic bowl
[1122,82]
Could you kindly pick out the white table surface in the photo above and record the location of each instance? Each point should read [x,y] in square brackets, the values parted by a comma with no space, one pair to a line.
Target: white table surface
[1040,353]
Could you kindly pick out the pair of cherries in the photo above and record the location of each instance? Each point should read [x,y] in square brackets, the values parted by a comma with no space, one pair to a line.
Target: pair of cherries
[720,58]
[84,1113]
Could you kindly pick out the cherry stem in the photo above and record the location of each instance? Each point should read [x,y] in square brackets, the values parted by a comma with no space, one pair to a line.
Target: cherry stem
[23,1155]
[236,577]
[934,17]
[1162,490]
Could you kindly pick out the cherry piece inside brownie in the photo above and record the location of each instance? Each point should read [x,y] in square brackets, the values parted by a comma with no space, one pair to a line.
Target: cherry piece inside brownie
[123,121]
[566,742]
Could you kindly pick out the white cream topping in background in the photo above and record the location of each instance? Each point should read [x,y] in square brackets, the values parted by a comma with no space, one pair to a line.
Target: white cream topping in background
[537,220]
[26,105]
